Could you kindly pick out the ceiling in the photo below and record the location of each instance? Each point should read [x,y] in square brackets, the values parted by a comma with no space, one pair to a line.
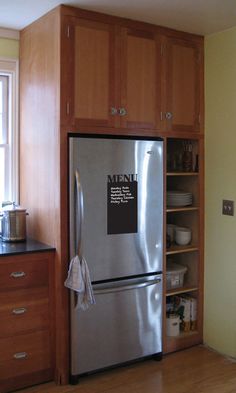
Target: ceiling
[194,16]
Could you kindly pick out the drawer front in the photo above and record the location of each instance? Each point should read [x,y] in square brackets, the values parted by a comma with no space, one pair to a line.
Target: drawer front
[25,354]
[23,274]
[23,311]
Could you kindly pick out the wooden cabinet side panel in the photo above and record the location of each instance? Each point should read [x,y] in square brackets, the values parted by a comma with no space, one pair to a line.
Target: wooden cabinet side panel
[67,73]
[201,235]
[39,127]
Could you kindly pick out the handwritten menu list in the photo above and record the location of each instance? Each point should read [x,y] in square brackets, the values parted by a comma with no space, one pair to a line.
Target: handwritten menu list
[122,204]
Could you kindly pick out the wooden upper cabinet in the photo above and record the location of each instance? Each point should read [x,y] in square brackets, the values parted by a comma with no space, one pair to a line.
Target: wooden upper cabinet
[140,79]
[183,87]
[112,76]
[127,75]
[91,64]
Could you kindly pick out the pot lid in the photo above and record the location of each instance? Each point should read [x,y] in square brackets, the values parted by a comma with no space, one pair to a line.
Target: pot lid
[13,208]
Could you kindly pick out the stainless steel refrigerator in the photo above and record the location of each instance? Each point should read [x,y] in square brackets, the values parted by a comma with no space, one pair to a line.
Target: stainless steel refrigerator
[116,223]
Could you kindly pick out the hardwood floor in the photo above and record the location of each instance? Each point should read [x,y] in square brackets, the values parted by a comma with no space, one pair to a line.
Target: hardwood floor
[195,370]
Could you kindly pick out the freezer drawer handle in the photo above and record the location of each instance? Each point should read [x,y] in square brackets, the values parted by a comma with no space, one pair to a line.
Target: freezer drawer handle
[126,287]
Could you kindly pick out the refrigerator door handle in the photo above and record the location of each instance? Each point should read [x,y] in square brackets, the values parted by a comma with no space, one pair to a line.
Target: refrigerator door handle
[126,287]
[79,205]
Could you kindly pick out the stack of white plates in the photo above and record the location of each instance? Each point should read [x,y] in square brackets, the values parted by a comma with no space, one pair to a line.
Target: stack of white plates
[179,198]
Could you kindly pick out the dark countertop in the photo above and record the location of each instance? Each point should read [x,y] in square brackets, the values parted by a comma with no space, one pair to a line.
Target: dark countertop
[26,247]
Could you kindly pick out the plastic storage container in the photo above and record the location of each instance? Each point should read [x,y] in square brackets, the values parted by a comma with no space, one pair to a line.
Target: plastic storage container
[175,275]
[172,325]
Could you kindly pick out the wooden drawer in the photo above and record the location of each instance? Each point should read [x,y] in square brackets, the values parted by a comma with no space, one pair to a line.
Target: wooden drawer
[25,354]
[24,271]
[23,311]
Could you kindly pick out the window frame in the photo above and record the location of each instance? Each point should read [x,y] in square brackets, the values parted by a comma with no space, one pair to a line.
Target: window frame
[5,103]
[10,68]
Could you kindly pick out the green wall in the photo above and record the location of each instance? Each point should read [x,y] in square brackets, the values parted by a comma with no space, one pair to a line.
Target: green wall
[220,181]
[9,48]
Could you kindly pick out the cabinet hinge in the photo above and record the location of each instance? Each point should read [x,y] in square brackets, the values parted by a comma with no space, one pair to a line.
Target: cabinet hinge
[68,32]
[162,49]
[67,108]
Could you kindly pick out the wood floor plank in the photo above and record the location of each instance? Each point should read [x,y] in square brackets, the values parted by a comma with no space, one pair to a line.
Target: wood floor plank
[195,370]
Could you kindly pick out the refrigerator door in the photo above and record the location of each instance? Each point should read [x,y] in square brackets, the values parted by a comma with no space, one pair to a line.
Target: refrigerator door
[125,324]
[116,205]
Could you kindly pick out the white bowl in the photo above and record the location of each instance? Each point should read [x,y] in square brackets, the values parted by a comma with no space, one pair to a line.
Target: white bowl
[183,236]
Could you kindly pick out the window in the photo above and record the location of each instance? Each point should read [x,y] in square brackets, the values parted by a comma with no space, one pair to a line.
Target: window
[8,130]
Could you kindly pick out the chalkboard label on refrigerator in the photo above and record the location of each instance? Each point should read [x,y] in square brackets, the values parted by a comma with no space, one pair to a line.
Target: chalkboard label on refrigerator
[122,204]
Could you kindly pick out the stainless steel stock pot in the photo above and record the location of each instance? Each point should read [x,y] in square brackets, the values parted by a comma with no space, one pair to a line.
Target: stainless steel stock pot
[13,223]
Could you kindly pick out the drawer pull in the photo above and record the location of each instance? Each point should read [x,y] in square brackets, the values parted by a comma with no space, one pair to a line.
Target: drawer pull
[18,274]
[18,311]
[20,355]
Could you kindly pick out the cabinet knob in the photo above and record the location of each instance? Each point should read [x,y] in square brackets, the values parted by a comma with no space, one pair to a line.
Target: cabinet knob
[20,355]
[169,115]
[19,311]
[114,111]
[18,274]
[122,111]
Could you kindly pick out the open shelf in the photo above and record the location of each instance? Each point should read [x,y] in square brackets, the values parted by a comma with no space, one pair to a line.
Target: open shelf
[171,209]
[182,174]
[178,291]
[175,249]
[183,335]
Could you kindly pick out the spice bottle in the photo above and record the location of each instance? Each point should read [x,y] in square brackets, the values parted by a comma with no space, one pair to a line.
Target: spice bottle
[187,156]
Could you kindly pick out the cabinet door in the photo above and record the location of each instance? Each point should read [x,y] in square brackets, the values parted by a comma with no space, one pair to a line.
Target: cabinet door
[140,79]
[183,85]
[92,45]
[88,73]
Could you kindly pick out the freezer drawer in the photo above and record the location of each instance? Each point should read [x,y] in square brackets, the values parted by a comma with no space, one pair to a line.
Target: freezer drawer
[124,324]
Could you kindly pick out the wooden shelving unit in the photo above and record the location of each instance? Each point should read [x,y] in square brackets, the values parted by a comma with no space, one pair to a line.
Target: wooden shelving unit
[190,255]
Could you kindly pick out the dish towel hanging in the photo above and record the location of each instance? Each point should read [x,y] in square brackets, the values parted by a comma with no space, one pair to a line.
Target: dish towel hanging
[78,279]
